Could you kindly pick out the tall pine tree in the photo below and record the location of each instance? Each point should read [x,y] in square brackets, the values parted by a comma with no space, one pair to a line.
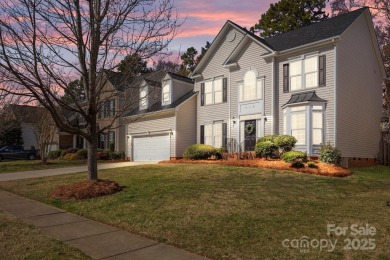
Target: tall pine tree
[288,15]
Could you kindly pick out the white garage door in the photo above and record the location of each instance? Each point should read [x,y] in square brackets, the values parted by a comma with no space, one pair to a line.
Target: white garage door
[151,148]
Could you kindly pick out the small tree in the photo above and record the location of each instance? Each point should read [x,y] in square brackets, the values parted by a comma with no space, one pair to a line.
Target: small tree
[44,131]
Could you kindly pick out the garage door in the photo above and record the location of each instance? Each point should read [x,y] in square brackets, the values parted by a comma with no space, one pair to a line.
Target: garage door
[151,148]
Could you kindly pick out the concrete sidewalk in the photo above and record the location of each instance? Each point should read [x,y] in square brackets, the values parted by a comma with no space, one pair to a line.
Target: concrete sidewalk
[52,172]
[95,239]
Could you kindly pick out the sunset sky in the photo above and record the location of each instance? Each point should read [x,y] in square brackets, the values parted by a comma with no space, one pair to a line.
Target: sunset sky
[206,17]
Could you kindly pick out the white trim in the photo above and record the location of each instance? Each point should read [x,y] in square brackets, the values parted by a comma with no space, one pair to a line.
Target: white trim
[335,96]
[273,101]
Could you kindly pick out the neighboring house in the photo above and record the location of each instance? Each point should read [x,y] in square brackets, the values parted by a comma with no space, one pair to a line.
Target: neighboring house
[320,83]
[27,116]
[164,123]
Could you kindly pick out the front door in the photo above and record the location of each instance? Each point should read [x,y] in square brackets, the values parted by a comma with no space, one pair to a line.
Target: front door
[250,135]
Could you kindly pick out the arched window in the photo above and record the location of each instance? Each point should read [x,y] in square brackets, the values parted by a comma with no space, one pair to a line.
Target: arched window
[252,87]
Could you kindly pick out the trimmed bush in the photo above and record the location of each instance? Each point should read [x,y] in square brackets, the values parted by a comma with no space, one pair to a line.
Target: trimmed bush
[330,154]
[270,138]
[218,152]
[54,154]
[296,158]
[285,142]
[199,152]
[265,149]
[116,155]
[70,157]
[312,165]
[82,153]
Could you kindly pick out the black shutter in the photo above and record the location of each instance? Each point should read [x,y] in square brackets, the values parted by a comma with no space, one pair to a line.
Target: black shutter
[322,70]
[202,94]
[286,78]
[224,90]
[202,134]
[224,135]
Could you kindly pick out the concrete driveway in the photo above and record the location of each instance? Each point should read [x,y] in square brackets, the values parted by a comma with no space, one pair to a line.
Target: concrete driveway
[59,171]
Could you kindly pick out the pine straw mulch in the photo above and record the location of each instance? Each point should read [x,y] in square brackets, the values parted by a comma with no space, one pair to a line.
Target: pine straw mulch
[86,189]
[322,168]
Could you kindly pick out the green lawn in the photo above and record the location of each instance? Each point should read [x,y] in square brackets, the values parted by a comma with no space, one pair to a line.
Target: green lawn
[19,240]
[232,212]
[28,165]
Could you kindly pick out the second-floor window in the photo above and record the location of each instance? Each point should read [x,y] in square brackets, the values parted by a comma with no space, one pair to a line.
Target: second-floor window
[143,101]
[111,108]
[166,94]
[252,87]
[102,111]
[304,73]
[214,91]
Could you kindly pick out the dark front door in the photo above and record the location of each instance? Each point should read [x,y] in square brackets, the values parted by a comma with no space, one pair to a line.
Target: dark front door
[250,135]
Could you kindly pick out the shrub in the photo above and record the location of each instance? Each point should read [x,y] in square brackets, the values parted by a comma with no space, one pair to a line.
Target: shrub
[265,149]
[54,154]
[71,150]
[199,152]
[330,154]
[82,153]
[70,157]
[63,153]
[102,155]
[285,142]
[270,138]
[115,155]
[218,152]
[312,165]
[296,158]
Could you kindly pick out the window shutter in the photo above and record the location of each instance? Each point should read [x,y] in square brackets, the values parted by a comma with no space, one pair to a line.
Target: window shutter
[224,135]
[202,94]
[202,134]
[224,90]
[322,70]
[286,78]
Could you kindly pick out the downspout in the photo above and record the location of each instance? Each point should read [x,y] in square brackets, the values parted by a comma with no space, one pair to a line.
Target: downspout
[273,121]
[335,96]
[230,107]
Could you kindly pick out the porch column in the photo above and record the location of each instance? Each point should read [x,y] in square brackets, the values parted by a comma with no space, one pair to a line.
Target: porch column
[74,141]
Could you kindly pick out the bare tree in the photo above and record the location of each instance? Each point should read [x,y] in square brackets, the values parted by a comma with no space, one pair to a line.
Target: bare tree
[44,45]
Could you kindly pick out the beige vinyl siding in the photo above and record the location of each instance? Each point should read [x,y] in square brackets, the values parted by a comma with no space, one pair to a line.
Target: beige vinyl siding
[185,125]
[326,92]
[163,121]
[180,88]
[208,114]
[250,58]
[359,93]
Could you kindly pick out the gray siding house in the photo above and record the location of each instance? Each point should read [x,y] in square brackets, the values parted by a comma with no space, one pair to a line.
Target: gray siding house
[320,83]
[164,123]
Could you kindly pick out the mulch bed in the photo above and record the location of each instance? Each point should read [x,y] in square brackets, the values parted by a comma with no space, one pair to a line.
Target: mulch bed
[322,168]
[86,190]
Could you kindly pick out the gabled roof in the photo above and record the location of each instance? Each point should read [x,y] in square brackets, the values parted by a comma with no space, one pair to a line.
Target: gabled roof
[180,77]
[326,29]
[159,107]
[118,80]
[310,96]
[24,113]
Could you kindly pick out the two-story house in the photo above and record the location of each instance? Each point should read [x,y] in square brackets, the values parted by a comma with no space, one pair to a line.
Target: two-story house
[320,83]
[164,123]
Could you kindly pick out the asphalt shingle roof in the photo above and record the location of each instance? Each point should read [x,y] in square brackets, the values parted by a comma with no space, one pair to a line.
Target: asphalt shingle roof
[159,107]
[326,29]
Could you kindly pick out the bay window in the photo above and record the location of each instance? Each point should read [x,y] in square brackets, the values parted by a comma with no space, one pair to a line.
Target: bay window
[298,124]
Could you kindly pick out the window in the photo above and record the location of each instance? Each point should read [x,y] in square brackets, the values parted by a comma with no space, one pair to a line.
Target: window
[102,111]
[143,99]
[298,124]
[214,91]
[317,127]
[214,134]
[111,107]
[306,123]
[166,92]
[251,88]
[102,141]
[304,74]
[111,140]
